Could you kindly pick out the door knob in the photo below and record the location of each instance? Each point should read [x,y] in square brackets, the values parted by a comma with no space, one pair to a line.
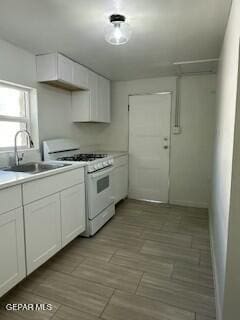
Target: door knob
[165,147]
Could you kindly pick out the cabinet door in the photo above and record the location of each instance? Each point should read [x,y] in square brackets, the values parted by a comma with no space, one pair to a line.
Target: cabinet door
[115,181]
[72,212]
[103,100]
[80,76]
[47,67]
[65,69]
[124,181]
[93,91]
[42,230]
[120,183]
[107,100]
[12,253]
[81,107]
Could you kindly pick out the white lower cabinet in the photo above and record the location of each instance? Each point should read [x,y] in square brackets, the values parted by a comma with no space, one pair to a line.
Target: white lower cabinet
[52,222]
[42,230]
[120,178]
[12,252]
[72,212]
[49,217]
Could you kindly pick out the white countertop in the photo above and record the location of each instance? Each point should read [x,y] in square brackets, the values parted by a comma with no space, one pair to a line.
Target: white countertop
[10,178]
[114,154]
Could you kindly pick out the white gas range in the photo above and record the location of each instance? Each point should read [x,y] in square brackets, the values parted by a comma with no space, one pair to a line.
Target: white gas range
[99,196]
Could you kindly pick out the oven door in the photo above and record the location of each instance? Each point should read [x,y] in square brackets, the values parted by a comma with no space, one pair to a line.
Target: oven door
[100,194]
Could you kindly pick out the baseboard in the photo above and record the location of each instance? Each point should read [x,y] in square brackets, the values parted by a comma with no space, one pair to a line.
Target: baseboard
[217,298]
[203,205]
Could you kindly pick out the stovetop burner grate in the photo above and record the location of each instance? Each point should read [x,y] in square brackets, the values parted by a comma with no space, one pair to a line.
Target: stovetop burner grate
[83,157]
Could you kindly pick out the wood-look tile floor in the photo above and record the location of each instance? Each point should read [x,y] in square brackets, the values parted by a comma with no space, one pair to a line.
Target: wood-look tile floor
[150,262]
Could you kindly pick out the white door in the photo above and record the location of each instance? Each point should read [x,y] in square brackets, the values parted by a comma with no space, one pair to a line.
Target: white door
[42,230]
[12,253]
[149,142]
[72,212]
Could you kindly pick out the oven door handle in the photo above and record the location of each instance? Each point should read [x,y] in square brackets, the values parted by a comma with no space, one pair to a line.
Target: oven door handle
[100,173]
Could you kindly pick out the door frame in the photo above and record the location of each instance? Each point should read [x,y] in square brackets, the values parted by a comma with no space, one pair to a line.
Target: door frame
[170,138]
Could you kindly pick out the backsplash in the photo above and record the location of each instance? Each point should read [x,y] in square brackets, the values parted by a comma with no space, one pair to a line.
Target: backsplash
[7,158]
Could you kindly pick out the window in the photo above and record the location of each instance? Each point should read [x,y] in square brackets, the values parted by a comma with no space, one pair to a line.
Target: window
[14,115]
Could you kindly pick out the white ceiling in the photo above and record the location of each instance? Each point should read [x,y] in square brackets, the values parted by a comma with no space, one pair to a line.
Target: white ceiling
[164,31]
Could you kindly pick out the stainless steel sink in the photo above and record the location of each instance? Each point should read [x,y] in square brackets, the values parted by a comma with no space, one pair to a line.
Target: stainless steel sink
[36,167]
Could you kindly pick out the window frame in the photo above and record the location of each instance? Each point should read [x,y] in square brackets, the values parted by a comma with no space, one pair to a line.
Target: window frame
[22,120]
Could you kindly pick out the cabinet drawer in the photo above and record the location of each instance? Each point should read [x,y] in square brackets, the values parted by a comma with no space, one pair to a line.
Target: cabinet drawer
[101,219]
[10,198]
[43,187]
[121,161]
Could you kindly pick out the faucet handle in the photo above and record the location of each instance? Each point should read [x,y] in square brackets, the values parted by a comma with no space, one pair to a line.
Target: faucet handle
[31,142]
[20,158]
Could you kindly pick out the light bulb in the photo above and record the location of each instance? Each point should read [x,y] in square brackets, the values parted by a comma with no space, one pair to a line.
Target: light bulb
[118,31]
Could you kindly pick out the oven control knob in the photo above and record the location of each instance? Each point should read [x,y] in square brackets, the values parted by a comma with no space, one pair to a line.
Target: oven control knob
[91,168]
[100,165]
[105,163]
[95,167]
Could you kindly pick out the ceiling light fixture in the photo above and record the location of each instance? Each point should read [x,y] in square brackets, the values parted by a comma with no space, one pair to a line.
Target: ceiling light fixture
[118,31]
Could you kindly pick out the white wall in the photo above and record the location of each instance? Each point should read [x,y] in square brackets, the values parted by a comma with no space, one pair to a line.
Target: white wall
[231,308]
[191,156]
[54,105]
[115,136]
[223,213]
[191,150]
[54,108]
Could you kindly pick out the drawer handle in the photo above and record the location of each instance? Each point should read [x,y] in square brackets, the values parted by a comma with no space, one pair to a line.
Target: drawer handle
[105,215]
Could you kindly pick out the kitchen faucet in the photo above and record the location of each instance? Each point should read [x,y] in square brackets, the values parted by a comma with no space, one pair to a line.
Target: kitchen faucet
[31,144]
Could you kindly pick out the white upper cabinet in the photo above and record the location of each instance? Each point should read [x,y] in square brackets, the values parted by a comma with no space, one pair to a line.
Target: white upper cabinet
[92,105]
[90,92]
[64,70]
[80,76]
[103,94]
[93,97]
[60,71]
